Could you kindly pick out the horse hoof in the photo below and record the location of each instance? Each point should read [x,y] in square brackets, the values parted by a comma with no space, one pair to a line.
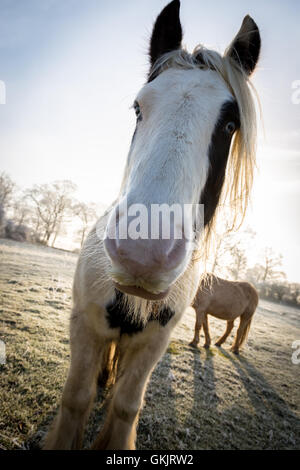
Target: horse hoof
[193,345]
[235,351]
[206,346]
[218,345]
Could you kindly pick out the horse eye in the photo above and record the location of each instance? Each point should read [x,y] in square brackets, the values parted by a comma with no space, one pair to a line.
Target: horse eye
[137,109]
[230,128]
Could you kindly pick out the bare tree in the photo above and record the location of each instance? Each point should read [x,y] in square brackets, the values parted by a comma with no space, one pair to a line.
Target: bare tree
[87,214]
[2,221]
[254,273]
[229,251]
[221,240]
[271,261]
[266,271]
[52,204]
[7,187]
[22,211]
[238,262]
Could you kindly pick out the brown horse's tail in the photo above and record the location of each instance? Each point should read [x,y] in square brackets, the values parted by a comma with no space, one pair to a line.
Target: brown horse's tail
[249,312]
[244,335]
[109,366]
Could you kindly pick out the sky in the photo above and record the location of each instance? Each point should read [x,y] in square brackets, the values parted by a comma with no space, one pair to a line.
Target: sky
[72,70]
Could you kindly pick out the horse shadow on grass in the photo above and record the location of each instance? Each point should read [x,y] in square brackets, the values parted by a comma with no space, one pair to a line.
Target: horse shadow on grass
[158,418]
[201,418]
[266,421]
[274,414]
[164,421]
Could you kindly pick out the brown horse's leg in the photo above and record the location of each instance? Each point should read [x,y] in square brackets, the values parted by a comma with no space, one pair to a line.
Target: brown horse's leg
[206,332]
[228,330]
[198,326]
[80,388]
[138,355]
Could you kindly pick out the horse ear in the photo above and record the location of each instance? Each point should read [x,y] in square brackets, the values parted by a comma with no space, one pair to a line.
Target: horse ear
[167,32]
[245,47]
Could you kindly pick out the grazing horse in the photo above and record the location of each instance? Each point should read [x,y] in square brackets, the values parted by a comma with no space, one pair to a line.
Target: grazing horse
[195,134]
[226,300]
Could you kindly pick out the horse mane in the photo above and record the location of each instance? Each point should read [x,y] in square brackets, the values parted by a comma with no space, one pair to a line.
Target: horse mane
[241,160]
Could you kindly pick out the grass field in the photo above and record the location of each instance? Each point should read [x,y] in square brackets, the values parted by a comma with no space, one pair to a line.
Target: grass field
[196,399]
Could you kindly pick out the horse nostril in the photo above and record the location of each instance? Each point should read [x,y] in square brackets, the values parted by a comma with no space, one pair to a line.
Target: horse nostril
[121,252]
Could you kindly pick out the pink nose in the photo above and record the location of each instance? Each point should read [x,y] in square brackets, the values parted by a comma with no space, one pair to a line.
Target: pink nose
[146,257]
[155,254]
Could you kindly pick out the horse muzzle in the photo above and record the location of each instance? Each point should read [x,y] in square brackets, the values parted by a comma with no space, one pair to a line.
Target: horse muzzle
[146,268]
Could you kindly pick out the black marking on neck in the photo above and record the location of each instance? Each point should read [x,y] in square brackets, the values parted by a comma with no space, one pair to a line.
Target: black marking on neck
[118,317]
[164,316]
[218,157]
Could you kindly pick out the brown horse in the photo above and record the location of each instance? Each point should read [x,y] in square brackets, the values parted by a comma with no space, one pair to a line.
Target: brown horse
[226,300]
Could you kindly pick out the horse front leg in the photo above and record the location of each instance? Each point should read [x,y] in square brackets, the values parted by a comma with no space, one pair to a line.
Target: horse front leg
[139,353]
[206,332]
[87,349]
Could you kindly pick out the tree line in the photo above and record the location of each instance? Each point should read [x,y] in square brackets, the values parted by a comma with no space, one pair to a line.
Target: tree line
[45,212]
[230,259]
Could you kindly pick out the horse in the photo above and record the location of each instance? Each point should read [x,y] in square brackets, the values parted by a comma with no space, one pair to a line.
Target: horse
[195,128]
[226,300]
